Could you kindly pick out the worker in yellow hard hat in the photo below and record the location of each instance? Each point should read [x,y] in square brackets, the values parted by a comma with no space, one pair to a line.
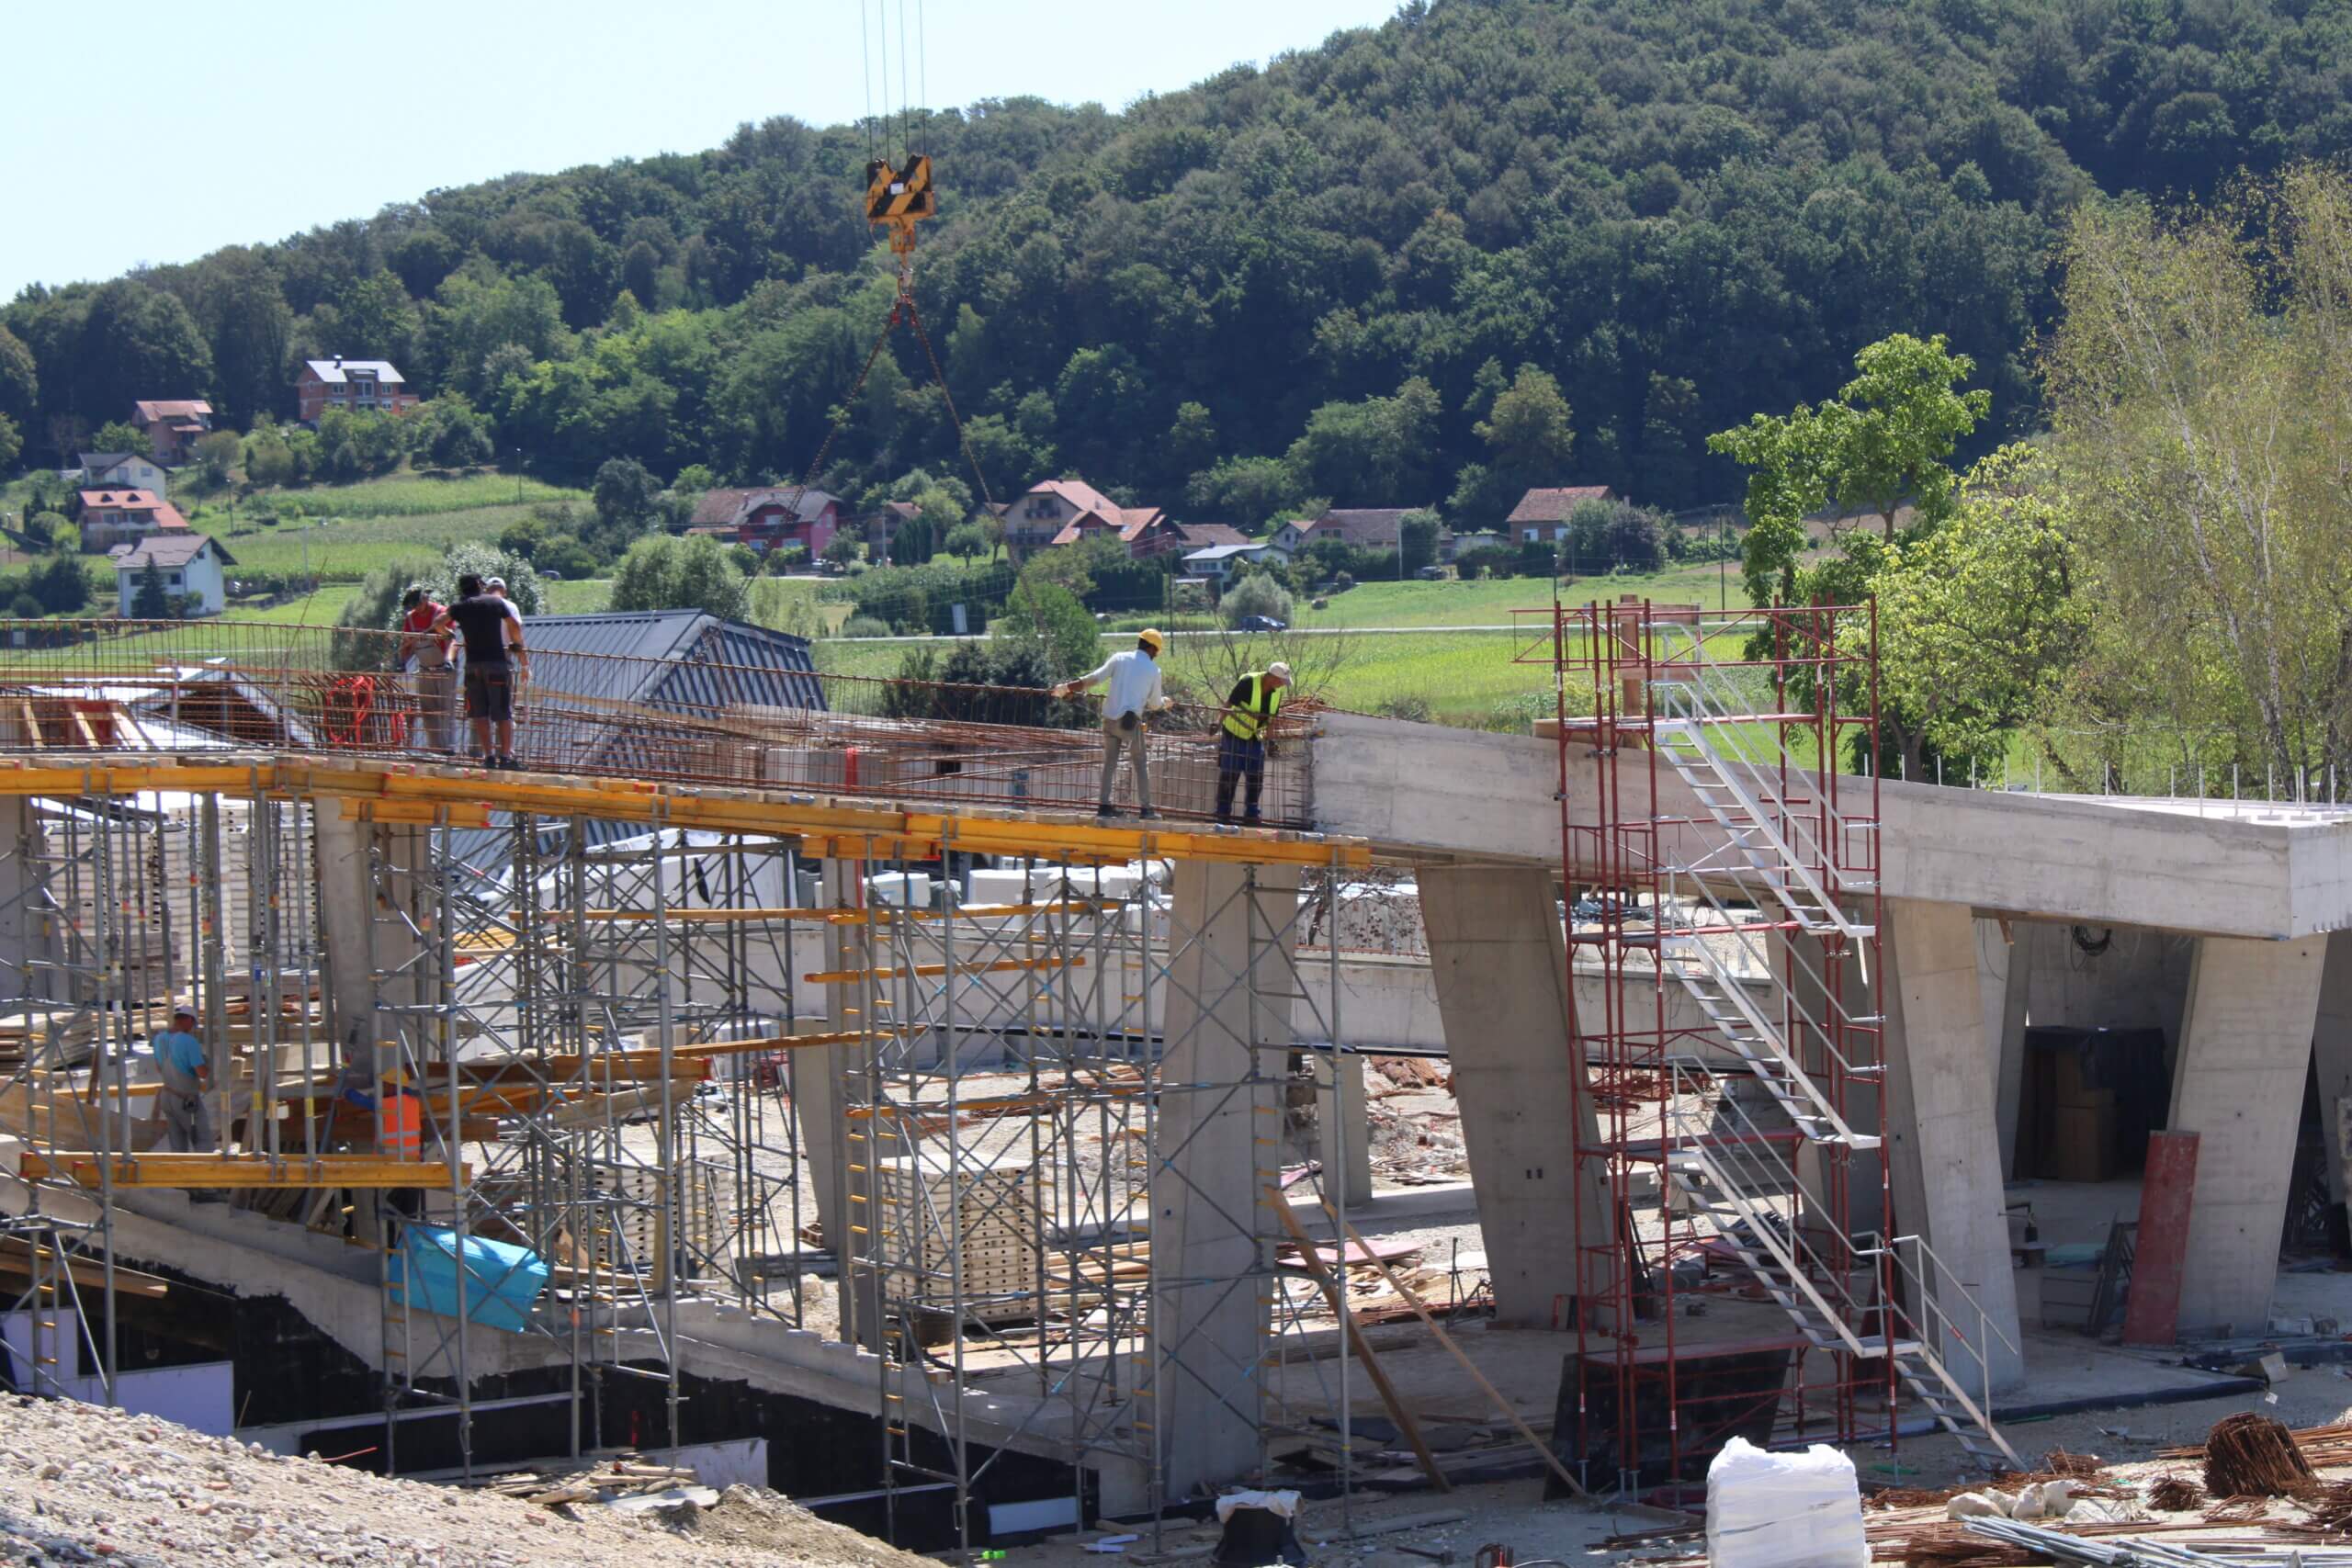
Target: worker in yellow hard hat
[1132,691]
[1249,710]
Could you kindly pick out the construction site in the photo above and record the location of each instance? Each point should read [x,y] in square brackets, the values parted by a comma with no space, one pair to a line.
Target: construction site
[756,1084]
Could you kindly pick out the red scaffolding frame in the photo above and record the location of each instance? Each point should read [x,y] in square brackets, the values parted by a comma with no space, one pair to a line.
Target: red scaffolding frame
[1778,689]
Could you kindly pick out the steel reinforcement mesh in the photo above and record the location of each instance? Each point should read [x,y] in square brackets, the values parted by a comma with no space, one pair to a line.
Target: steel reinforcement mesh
[191,686]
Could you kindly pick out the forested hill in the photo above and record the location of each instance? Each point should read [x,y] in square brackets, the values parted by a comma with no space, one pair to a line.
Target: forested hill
[1311,279]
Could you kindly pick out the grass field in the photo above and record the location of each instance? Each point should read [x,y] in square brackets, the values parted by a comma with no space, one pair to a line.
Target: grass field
[320,609]
[347,531]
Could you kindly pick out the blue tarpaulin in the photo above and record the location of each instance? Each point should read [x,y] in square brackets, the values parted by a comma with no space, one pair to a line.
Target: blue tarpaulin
[503,1281]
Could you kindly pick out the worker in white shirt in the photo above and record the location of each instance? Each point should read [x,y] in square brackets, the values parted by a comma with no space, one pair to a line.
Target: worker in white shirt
[1131,692]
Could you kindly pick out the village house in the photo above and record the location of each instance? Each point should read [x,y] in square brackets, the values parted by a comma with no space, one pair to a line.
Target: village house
[769,517]
[189,563]
[1543,513]
[172,426]
[353,384]
[111,517]
[127,470]
[1062,512]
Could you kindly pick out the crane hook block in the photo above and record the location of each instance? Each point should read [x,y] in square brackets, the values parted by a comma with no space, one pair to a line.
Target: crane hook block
[899,196]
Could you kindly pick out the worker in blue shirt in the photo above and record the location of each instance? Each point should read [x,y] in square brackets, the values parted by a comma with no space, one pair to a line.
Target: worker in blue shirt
[187,1073]
[1133,694]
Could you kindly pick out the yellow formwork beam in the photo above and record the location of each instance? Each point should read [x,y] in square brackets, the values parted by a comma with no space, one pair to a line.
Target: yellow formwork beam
[830,827]
[237,1170]
[932,971]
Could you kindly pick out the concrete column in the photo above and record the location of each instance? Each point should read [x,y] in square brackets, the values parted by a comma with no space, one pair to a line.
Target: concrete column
[1343,1128]
[2004,977]
[1216,1149]
[1501,970]
[2332,1056]
[26,937]
[362,932]
[1943,1142]
[2238,1084]
[818,1093]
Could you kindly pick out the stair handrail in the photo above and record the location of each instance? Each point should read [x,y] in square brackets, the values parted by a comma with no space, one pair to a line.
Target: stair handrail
[1926,1271]
[1702,887]
[1683,710]
[1736,991]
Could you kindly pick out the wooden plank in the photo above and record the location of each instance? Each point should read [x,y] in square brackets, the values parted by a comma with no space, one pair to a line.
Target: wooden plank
[1511,1412]
[1373,1368]
[17,1262]
[243,1171]
[2152,1311]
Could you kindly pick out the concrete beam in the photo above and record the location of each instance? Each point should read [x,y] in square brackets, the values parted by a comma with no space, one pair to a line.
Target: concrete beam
[1425,790]
[2238,1084]
[1343,1128]
[2001,981]
[1943,1140]
[819,1096]
[28,940]
[1498,958]
[1232,935]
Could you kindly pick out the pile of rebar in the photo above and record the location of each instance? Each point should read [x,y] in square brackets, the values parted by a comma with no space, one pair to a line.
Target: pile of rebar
[2139,1552]
[2248,1455]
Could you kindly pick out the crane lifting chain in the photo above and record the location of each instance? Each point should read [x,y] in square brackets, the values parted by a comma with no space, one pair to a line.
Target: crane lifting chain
[897,200]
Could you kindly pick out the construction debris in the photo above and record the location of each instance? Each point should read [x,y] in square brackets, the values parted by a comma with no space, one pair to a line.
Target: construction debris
[2175,1495]
[620,1475]
[2248,1455]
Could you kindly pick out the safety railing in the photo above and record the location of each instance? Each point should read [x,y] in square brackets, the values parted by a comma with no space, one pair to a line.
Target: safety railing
[711,713]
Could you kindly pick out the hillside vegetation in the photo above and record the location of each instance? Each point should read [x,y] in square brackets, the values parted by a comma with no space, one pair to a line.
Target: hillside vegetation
[1309,280]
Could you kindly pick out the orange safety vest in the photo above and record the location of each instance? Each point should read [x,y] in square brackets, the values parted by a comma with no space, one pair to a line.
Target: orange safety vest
[403,1134]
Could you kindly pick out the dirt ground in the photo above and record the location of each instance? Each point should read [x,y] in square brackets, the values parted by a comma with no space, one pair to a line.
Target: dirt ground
[80,1484]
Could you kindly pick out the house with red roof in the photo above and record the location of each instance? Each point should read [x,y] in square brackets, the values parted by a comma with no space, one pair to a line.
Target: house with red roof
[111,517]
[1543,513]
[1063,511]
[769,517]
[172,425]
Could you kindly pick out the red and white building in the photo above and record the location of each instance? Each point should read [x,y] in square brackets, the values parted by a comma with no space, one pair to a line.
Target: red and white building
[771,517]
[353,384]
[172,426]
[1062,512]
[111,517]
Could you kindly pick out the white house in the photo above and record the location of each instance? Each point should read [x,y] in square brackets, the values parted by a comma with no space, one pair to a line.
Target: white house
[190,564]
[1217,563]
[126,470]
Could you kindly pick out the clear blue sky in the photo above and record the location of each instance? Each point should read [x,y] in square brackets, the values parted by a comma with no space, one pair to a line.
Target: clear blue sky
[153,132]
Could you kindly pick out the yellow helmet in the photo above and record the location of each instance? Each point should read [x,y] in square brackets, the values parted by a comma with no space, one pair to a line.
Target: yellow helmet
[1151,638]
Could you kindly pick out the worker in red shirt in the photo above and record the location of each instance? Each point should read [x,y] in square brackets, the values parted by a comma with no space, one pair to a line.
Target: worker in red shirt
[424,655]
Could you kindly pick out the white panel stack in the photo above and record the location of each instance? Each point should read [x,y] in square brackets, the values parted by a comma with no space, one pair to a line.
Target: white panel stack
[989,1209]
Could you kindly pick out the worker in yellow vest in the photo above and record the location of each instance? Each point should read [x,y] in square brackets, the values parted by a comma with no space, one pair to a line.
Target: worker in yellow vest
[1249,710]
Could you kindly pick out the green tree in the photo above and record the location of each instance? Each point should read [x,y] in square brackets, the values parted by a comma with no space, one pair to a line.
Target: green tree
[1050,616]
[20,380]
[663,571]
[1978,622]
[625,496]
[2197,412]
[965,540]
[841,548]
[12,444]
[121,436]
[217,455]
[150,603]
[1528,431]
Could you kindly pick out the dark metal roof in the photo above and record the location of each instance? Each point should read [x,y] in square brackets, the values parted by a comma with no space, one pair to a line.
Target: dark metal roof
[687,660]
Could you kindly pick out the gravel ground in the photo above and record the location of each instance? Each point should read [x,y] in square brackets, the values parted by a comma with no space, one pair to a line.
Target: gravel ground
[81,1484]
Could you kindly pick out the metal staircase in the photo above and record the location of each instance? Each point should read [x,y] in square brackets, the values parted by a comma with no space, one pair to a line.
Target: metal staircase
[1876,1298]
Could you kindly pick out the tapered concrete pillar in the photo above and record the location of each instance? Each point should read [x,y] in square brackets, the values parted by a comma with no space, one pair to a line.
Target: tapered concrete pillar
[2003,973]
[2332,1058]
[1943,1142]
[1343,1128]
[1217,1148]
[2237,1083]
[1500,965]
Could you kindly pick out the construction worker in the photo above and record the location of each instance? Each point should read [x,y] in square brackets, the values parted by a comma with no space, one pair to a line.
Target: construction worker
[492,630]
[1131,692]
[424,653]
[188,1075]
[1249,710]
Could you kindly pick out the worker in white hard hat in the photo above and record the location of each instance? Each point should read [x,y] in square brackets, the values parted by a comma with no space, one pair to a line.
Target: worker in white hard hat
[1131,692]
[1249,710]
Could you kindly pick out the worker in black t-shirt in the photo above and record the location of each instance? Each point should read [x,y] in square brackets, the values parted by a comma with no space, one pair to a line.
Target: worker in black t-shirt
[495,655]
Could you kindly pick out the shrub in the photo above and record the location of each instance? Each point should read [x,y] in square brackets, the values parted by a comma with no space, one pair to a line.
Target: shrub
[1256,594]
[870,625]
